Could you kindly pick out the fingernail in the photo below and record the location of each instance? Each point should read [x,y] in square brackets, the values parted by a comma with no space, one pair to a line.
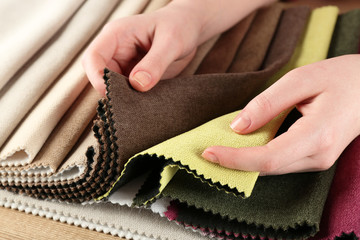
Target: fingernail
[210,156]
[241,123]
[142,78]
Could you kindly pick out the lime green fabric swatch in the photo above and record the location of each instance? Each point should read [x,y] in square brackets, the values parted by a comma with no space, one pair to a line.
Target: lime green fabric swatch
[185,150]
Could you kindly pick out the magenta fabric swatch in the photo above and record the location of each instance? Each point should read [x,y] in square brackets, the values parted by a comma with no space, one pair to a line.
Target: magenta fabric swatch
[342,208]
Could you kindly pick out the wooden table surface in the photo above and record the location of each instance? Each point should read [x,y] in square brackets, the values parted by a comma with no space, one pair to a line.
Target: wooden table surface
[19,225]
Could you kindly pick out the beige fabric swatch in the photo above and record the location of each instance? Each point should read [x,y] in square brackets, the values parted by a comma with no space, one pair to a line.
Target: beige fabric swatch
[31,134]
[103,217]
[155,5]
[26,26]
[28,86]
[201,52]
[128,8]
[67,132]
[73,166]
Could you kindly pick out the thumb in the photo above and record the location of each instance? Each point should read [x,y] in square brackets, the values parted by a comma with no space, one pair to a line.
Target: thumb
[147,73]
[270,103]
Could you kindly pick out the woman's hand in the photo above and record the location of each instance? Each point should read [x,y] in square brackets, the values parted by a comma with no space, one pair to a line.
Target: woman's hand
[144,47]
[327,93]
[158,45]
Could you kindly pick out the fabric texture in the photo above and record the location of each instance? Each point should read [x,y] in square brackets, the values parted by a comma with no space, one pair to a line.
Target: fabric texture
[28,138]
[201,52]
[216,99]
[257,41]
[342,209]
[26,88]
[62,139]
[38,25]
[221,55]
[287,206]
[130,223]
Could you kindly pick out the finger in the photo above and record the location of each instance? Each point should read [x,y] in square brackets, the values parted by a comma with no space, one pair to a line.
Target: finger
[178,66]
[306,164]
[99,56]
[291,89]
[147,73]
[296,144]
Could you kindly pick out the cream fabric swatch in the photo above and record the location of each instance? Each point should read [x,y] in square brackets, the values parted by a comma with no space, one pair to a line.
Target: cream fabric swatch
[64,136]
[155,5]
[28,86]
[201,52]
[128,8]
[117,220]
[73,166]
[26,26]
[28,138]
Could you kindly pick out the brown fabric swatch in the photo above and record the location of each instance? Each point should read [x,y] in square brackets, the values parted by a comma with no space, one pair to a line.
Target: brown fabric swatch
[220,56]
[201,52]
[130,121]
[253,48]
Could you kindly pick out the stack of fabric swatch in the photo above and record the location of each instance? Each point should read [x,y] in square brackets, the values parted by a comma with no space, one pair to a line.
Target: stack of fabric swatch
[130,164]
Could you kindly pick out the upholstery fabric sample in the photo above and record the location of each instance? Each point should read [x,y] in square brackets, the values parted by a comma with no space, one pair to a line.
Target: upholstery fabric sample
[318,33]
[130,223]
[342,209]
[267,213]
[19,96]
[220,56]
[145,130]
[201,52]
[344,43]
[118,141]
[37,20]
[27,140]
[62,139]
[75,167]
[257,40]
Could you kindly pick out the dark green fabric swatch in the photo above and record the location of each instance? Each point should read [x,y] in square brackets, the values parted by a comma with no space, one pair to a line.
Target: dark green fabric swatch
[346,35]
[287,206]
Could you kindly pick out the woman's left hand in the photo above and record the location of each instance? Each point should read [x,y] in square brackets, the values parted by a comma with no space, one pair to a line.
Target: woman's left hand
[327,93]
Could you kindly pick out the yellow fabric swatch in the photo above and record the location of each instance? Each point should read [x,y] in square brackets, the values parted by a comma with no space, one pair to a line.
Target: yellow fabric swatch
[186,148]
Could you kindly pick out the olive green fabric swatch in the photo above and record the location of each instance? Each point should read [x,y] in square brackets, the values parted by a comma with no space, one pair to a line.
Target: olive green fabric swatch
[285,206]
[343,43]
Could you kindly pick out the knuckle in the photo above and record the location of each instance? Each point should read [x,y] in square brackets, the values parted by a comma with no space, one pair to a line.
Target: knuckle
[269,165]
[263,103]
[325,163]
[326,140]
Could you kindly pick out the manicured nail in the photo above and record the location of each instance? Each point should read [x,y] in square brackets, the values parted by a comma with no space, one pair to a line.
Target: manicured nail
[241,123]
[142,78]
[210,156]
